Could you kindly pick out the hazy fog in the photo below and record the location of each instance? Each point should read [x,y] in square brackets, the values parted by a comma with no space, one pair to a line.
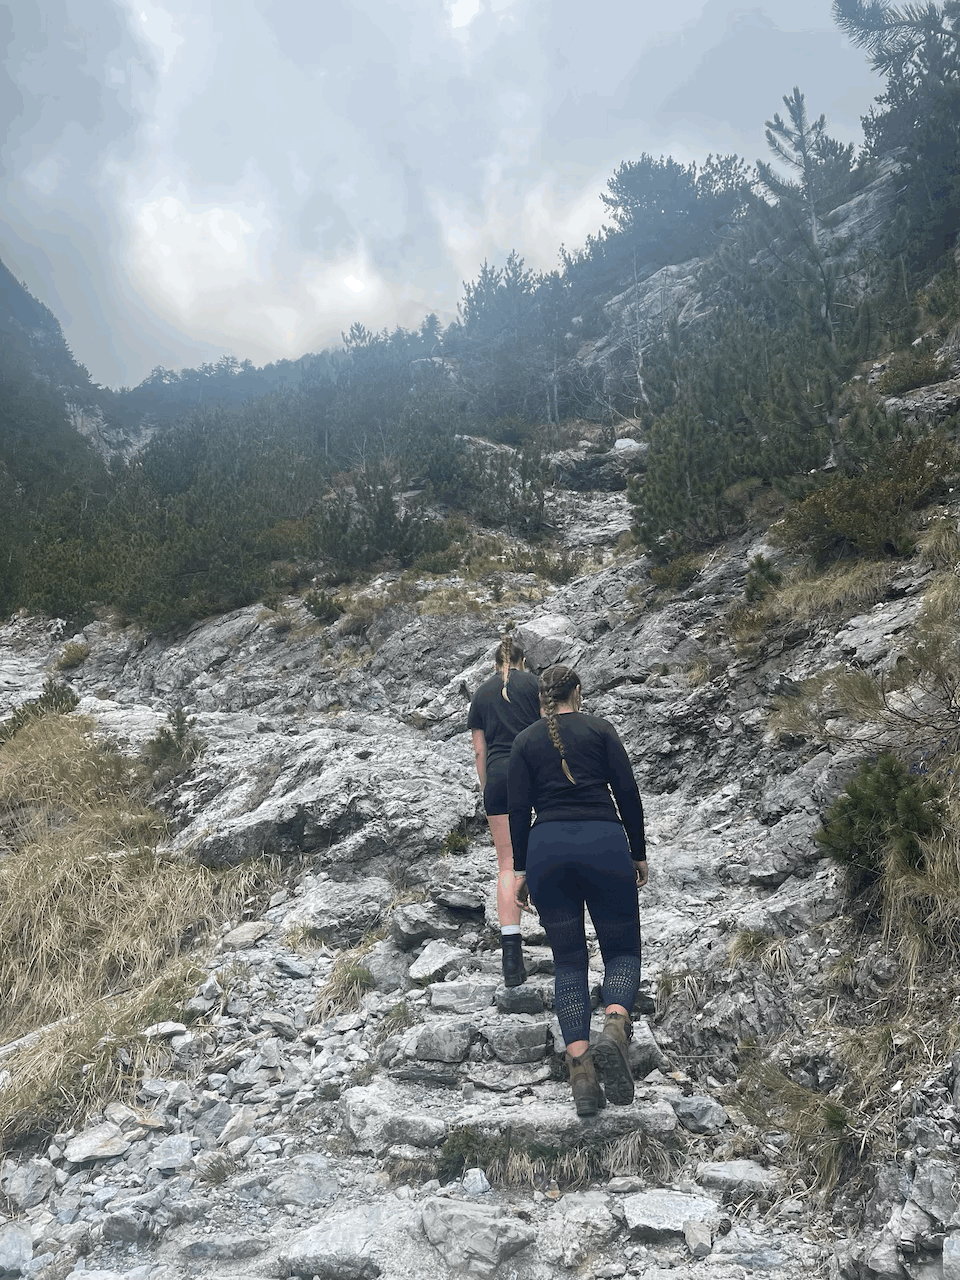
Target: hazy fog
[185,179]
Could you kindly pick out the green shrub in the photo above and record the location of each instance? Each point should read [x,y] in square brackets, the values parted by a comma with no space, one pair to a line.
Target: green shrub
[559,568]
[172,749]
[676,574]
[443,561]
[870,514]
[762,576]
[325,607]
[56,699]
[455,841]
[910,369]
[884,813]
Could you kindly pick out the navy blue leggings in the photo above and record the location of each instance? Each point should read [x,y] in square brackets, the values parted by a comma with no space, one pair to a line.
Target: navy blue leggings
[575,864]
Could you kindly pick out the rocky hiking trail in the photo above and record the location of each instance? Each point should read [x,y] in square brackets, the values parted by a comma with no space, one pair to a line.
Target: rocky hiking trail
[276,1141]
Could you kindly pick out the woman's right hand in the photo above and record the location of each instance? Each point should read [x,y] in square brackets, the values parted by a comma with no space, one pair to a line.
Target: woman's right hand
[521,893]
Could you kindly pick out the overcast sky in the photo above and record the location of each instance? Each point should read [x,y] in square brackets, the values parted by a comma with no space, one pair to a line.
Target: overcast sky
[186,178]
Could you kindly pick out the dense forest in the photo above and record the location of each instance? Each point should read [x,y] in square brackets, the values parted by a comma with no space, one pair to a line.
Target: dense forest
[261,481]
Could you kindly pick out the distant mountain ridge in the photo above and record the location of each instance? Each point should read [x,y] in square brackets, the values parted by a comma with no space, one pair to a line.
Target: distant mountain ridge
[35,331]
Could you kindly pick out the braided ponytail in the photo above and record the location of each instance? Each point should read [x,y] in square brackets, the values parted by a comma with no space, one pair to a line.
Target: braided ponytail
[507,655]
[556,685]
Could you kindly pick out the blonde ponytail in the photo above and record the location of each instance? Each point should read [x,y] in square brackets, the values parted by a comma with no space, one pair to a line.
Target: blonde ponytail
[507,655]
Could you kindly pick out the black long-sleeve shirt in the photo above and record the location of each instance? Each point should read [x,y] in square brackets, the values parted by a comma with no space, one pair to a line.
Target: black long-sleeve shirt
[596,758]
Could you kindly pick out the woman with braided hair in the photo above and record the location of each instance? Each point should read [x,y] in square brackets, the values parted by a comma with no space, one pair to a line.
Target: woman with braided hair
[505,703]
[582,851]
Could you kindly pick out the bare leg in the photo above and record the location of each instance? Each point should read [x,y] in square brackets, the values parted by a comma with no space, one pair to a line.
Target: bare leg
[507,910]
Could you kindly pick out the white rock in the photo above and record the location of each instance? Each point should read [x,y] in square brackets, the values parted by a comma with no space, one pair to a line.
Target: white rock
[99,1142]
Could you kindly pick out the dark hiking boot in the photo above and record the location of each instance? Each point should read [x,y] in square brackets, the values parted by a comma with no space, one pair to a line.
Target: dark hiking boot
[610,1051]
[514,972]
[587,1095]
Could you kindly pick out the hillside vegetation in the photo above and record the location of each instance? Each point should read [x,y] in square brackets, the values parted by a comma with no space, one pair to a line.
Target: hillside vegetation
[749,400]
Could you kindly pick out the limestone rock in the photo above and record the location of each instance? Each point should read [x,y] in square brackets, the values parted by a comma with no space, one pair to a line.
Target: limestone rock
[246,935]
[469,996]
[526,998]
[222,1248]
[307,1180]
[474,1239]
[27,1185]
[474,1183]
[415,1130]
[16,1249]
[548,639]
[434,961]
[348,1246]
[934,1190]
[173,1153]
[443,1040]
[883,1260]
[339,912]
[415,922]
[658,1215]
[513,1040]
[737,1177]
[951,1258]
[699,1237]
[580,1226]
[699,1114]
[388,966]
[546,1123]
[99,1142]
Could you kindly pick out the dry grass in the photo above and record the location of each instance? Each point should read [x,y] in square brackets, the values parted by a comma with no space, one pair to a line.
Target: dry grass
[73,1068]
[766,950]
[517,1164]
[851,585]
[74,653]
[88,907]
[913,706]
[845,589]
[939,544]
[823,1140]
[921,908]
[689,986]
[344,989]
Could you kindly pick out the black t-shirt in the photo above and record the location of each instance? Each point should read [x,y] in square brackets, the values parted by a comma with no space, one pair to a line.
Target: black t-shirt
[501,720]
[596,758]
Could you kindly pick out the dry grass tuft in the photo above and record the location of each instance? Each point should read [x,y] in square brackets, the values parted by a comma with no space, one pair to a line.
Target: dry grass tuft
[70,1069]
[507,1161]
[921,906]
[939,544]
[92,917]
[823,1141]
[344,989]
[849,585]
[766,950]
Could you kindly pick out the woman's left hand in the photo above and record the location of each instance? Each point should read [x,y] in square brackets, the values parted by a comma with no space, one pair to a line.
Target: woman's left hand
[642,873]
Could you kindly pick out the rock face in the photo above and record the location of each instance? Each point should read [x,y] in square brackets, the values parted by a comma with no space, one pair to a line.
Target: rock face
[424,1129]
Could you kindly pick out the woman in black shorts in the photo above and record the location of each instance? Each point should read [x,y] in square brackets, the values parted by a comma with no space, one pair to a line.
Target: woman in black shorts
[504,704]
[582,850]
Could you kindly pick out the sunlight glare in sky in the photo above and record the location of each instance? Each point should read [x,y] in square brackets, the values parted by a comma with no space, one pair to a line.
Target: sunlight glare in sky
[463,12]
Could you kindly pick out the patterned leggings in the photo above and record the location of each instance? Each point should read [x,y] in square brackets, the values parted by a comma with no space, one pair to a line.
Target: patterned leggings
[575,864]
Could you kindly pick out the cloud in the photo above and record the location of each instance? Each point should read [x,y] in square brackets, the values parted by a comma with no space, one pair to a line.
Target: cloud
[187,178]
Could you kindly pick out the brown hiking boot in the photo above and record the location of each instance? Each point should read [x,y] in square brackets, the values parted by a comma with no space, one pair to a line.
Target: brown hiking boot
[587,1095]
[611,1054]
